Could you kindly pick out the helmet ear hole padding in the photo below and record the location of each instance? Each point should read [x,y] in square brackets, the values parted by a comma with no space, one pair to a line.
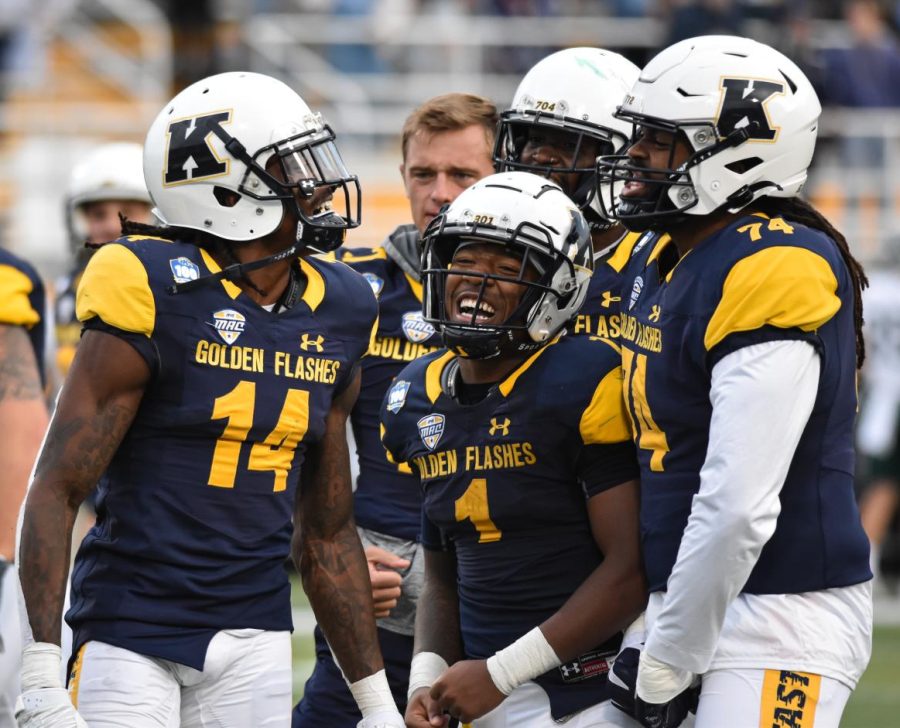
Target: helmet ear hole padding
[226,197]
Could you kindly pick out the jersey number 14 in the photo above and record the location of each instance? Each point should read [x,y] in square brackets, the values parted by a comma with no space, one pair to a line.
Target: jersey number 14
[275,453]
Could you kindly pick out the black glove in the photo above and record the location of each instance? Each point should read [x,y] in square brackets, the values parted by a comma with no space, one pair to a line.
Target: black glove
[622,680]
[666,715]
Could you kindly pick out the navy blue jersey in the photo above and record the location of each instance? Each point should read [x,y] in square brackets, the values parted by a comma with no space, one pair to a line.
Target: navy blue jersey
[506,481]
[599,314]
[66,323]
[387,498]
[23,302]
[194,511]
[757,280]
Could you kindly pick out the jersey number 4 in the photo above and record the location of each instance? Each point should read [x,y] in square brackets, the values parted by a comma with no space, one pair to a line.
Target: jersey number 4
[275,453]
[647,433]
[473,506]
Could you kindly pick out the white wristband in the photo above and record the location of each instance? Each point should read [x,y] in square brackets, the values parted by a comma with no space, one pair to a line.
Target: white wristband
[526,658]
[373,694]
[426,667]
[40,666]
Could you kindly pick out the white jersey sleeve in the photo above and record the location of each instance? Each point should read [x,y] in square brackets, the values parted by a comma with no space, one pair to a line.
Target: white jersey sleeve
[762,397]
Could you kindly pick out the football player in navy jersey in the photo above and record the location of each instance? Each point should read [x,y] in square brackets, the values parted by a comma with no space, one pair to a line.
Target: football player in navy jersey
[560,120]
[520,440]
[741,339]
[23,420]
[446,145]
[209,397]
[106,183]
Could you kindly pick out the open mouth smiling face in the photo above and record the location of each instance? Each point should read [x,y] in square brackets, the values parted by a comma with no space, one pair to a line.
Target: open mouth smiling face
[483,287]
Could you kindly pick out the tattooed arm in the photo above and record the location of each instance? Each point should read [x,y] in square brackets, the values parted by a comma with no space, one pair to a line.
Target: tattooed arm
[96,407]
[438,639]
[327,550]
[23,421]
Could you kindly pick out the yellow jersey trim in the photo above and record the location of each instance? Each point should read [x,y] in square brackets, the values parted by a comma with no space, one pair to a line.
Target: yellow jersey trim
[230,288]
[377,254]
[401,467]
[115,288]
[15,308]
[659,247]
[605,420]
[506,386]
[415,286]
[623,252]
[783,286]
[433,376]
[75,676]
[314,293]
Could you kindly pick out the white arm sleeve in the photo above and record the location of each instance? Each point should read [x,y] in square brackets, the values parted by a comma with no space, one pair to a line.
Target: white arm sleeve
[762,397]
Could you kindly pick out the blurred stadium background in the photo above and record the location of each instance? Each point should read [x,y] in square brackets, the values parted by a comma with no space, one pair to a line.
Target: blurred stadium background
[74,73]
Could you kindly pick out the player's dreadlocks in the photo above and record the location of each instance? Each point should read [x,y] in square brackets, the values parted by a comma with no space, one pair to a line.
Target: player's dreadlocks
[800,211]
[210,243]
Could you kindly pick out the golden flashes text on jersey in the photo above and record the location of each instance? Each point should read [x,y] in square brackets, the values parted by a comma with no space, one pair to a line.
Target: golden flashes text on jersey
[476,458]
[644,336]
[598,325]
[253,359]
[393,347]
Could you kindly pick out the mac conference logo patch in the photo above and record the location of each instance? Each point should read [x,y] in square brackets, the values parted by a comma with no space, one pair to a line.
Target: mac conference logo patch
[431,427]
[229,324]
[416,328]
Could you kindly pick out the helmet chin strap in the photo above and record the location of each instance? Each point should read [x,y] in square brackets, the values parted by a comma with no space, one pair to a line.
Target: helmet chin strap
[472,345]
[326,235]
[236,271]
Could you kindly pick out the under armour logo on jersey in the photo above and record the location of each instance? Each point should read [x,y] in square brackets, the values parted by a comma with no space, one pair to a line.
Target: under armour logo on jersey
[189,155]
[744,107]
[307,343]
[609,298]
[497,426]
[654,313]
[573,669]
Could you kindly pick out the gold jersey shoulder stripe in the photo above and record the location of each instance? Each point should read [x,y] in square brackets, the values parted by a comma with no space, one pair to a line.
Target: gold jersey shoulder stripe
[347,256]
[433,376]
[605,421]
[116,289]
[785,286]
[15,307]
[623,252]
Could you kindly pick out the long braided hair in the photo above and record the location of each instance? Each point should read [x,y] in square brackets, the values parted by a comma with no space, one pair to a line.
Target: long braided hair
[800,211]
[217,247]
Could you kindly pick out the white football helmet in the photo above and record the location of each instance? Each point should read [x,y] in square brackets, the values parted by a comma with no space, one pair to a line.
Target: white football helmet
[110,172]
[749,114]
[576,90]
[532,218]
[206,153]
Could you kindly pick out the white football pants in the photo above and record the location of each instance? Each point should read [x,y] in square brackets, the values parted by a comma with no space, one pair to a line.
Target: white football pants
[246,681]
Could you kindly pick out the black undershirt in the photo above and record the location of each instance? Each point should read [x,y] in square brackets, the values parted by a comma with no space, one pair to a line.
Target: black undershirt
[472,393]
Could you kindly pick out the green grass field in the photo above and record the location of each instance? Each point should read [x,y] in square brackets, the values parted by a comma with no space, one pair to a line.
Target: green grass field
[875,704]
